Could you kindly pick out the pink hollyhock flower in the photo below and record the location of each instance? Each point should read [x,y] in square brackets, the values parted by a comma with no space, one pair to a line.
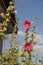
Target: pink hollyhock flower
[0,27]
[26,24]
[28,46]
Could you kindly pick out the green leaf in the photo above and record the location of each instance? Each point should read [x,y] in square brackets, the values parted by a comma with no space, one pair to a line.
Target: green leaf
[6,37]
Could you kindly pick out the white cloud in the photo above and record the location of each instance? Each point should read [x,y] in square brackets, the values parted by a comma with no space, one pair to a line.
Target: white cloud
[38,49]
[21,33]
[39,37]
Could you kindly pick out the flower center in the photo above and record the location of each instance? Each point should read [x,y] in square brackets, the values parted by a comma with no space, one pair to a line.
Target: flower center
[26,25]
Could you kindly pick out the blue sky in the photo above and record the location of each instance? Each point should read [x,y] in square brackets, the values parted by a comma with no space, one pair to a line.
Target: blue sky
[28,10]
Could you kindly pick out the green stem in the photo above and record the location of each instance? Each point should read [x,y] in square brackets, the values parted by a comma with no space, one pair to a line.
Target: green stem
[26,35]
[29,58]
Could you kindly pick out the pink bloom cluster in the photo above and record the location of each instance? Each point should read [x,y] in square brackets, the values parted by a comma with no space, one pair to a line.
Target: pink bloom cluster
[28,46]
[26,24]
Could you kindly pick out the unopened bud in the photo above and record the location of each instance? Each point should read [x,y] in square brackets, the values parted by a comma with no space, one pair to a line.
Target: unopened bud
[15,11]
[2,15]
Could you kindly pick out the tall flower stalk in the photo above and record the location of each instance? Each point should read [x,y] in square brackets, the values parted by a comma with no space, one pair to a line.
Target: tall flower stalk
[28,44]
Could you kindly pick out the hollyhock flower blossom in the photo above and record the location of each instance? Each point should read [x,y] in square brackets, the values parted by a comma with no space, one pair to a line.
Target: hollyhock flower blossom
[26,24]
[0,27]
[28,46]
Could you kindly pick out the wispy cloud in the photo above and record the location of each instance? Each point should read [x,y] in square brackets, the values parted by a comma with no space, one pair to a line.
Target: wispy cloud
[21,33]
[38,50]
[39,37]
